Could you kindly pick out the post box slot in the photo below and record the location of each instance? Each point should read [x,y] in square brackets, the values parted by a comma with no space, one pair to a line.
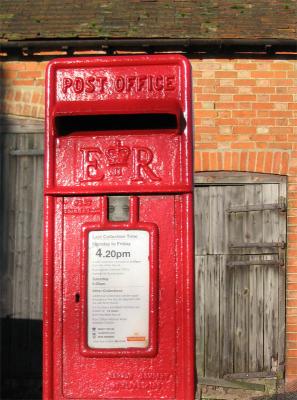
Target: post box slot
[68,125]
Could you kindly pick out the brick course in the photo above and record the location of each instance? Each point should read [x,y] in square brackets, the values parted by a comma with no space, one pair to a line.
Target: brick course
[245,114]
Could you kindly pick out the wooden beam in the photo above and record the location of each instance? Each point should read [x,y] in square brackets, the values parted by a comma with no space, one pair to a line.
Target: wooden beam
[230,384]
[235,178]
[15,124]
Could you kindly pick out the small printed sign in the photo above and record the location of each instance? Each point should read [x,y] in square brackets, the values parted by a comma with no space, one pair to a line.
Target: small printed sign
[118,289]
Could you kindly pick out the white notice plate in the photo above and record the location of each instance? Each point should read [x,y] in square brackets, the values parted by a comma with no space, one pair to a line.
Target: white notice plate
[118,289]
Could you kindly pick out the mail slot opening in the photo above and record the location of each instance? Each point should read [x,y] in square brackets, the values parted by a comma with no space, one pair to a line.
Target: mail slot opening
[69,125]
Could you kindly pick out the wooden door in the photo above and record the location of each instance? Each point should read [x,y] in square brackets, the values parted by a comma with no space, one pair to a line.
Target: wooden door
[240,239]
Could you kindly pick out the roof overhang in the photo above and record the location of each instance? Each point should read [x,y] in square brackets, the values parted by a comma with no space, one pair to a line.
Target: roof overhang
[184,45]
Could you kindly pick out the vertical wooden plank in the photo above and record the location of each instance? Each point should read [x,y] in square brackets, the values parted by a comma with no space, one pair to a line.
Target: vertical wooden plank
[226,317]
[241,291]
[22,248]
[241,313]
[270,234]
[232,194]
[200,269]
[17,235]
[14,342]
[256,316]
[216,220]
[7,226]
[35,284]
[253,220]
[235,220]
[36,226]
[212,320]
[282,279]
[236,302]
[9,176]
[253,229]
[227,202]
[282,191]
[14,345]
[23,234]
[201,197]
[27,209]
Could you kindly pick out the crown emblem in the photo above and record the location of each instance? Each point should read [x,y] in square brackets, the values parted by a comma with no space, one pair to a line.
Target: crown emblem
[118,155]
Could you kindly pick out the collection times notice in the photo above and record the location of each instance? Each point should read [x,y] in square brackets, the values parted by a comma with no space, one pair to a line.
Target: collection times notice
[118,289]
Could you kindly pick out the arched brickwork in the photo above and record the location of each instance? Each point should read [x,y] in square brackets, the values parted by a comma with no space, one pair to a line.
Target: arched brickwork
[271,162]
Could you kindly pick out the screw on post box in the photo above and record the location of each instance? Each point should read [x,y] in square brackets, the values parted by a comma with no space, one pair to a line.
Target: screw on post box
[118,237]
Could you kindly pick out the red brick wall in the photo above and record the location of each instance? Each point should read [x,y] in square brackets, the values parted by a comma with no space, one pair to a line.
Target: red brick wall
[245,115]
[245,120]
[23,88]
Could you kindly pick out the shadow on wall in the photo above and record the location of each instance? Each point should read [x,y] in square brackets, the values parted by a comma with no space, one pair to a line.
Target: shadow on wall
[21,358]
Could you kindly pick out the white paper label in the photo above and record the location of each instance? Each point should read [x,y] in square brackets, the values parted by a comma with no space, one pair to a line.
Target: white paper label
[118,289]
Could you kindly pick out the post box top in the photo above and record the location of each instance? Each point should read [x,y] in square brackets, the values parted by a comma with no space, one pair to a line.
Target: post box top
[107,79]
[123,121]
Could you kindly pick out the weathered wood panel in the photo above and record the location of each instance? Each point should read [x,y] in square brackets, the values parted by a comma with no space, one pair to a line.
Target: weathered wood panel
[212,317]
[21,272]
[271,234]
[200,263]
[235,178]
[202,221]
[216,213]
[239,288]
[256,327]
[235,220]
[226,313]
[241,319]
[282,281]
[21,257]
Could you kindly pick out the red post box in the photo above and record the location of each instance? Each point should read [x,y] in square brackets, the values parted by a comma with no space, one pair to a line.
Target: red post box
[118,292]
